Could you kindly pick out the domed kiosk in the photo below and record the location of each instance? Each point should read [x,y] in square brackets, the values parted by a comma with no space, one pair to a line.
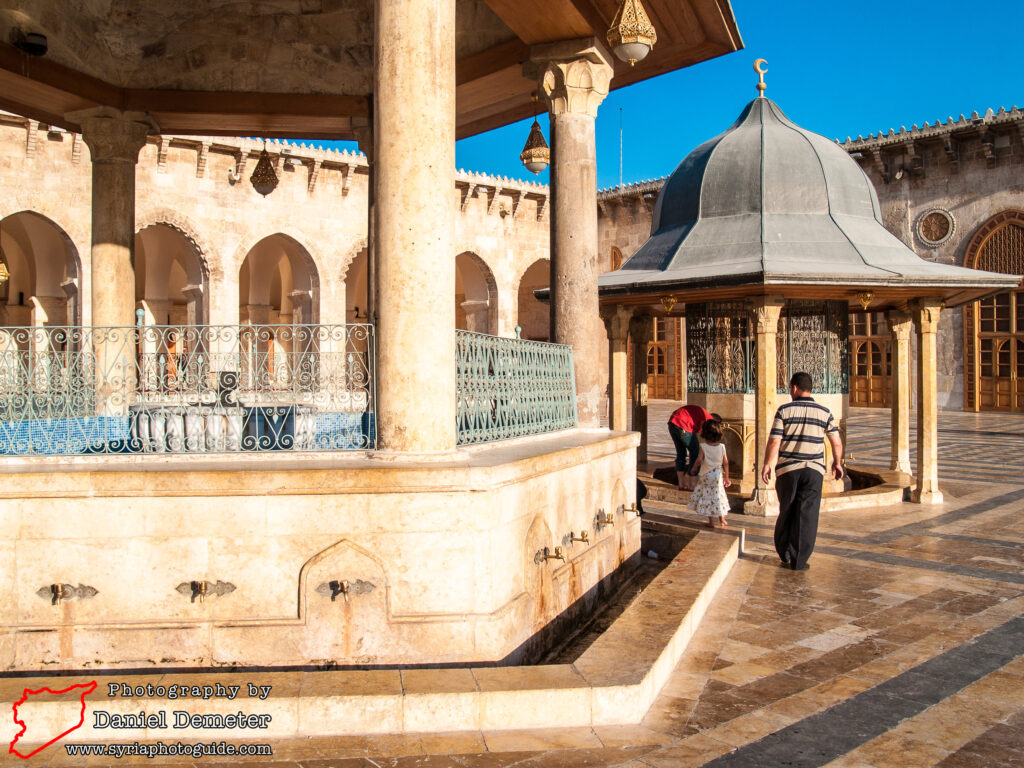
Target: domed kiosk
[765,238]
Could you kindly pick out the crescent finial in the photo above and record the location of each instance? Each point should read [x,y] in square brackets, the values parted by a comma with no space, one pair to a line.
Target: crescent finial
[760,68]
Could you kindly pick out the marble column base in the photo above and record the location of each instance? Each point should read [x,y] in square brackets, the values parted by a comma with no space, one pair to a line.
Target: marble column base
[765,503]
[926,497]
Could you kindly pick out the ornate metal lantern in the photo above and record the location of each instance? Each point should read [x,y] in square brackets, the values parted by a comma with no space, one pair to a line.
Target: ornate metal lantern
[535,154]
[632,36]
[263,178]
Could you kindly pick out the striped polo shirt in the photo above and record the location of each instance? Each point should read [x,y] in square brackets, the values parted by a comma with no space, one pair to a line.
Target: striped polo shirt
[801,425]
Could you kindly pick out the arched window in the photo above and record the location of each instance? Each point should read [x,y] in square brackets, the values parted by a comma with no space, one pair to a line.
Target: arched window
[994,327]
[616,259]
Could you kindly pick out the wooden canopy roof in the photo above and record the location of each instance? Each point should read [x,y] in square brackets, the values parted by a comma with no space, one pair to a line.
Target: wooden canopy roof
[304,69]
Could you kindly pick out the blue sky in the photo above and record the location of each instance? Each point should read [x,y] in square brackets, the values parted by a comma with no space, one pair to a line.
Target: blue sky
[837,68]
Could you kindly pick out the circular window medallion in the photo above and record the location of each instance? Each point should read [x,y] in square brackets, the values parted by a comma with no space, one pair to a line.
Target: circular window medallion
[936,227]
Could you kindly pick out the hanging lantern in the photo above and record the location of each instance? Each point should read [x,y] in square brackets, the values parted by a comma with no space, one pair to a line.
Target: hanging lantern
[632,35]
[263,178]
[535,154]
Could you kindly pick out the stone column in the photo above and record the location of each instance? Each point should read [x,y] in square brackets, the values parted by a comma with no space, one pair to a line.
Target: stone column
[641,329]
[114,139]
[926,320]
[477,313]
[574,77]
[767,309]
[900,324]
[49,311]
[617,326]
[414,179]
[194,297]
[70,288]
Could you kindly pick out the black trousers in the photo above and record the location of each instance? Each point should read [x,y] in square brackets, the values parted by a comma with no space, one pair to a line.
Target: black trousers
[797,527]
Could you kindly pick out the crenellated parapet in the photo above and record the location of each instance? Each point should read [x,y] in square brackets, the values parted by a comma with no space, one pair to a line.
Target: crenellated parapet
[629,203]
[994,138]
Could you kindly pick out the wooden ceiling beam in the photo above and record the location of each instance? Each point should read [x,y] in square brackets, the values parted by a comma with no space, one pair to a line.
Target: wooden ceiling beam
[542,21]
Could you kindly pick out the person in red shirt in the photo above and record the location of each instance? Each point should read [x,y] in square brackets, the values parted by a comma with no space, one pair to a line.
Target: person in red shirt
[684,426]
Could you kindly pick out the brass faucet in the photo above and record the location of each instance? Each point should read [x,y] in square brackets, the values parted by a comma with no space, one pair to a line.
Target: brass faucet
[339,588]
[559,554]
[632,508]
[58,592]
[199,590]
[584,537]
[604,518]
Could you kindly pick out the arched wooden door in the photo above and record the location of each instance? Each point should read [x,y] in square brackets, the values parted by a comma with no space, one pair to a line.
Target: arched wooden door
[994,327]
[870,360]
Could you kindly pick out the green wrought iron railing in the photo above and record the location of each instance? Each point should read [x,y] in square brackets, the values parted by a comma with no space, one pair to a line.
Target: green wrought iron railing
[186,389]
[511,388]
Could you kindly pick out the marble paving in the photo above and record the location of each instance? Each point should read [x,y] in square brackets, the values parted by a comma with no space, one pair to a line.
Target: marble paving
[902,646]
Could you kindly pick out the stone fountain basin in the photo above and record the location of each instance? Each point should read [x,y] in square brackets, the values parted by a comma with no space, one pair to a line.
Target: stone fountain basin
[614,681]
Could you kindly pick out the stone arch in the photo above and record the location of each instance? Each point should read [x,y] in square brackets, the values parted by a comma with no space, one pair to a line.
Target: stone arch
[292,275]
[993,347]
[476,294]
[212,269]
[45,268]
[343,629]
[615,259]
[172,272]
[533,316]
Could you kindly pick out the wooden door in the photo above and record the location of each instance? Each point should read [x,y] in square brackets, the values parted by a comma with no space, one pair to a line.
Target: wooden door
[870,360]
[1001,352]
[662,376]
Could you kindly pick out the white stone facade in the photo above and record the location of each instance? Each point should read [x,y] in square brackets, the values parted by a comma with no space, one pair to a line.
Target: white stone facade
[297,255]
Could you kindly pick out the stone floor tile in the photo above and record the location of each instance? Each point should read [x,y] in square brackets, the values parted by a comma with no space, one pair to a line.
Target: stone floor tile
[741,674]
[893,751]
[452,743]
[628,735]
[840,688]
[588,758]
[541,739]
[748,728]
[851,760]
[671,716]
[496,759]
[689,753]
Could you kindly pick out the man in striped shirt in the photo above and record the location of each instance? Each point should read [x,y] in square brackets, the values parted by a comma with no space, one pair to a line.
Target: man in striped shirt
[796,452]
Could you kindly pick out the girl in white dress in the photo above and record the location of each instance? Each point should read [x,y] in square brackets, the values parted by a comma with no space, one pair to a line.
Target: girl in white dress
[708,498]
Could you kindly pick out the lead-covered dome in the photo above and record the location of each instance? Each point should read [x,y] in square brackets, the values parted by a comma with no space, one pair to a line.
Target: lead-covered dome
[768,202]
[765,165]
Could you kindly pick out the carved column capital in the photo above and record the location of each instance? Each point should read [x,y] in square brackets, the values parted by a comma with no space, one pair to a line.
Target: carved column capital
[641,330]
[113,135]
[573,75]
[616,321]
[766,311]
[900,325]
[926,314]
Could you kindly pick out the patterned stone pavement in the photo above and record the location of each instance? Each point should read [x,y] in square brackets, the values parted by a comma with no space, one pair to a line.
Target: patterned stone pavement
[903,645]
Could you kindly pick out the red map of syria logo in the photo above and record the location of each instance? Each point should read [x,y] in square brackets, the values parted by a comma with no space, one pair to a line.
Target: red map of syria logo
[85,688]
